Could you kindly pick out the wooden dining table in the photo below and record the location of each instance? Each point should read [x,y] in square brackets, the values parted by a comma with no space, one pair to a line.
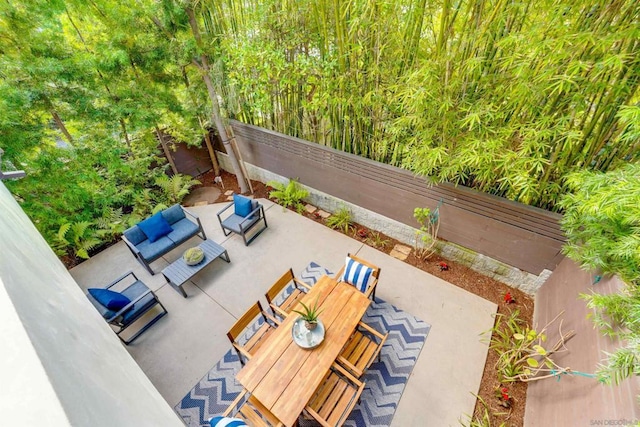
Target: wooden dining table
[284,376]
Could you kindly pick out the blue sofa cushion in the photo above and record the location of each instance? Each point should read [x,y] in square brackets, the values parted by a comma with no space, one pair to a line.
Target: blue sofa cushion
[104,311]
[155,227]
[241,205]
[135,235]
[112,300]
[151,251]
[357,274]
[182,230]
[227,422]
[173,214]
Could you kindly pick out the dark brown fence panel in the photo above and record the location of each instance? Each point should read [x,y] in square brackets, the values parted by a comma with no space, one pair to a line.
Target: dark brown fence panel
[516,234]
[577,400]
[191,160]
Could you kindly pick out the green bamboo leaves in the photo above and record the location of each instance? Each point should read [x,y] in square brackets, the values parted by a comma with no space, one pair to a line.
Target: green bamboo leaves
[505,97]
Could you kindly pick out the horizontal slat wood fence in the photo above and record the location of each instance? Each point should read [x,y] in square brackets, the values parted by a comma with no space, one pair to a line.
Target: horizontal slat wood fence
[522,236]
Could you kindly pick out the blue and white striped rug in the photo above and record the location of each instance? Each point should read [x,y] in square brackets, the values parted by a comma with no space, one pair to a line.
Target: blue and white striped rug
[385,379]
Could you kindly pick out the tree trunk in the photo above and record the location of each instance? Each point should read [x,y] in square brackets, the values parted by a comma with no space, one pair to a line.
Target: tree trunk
[212,153]
[61,126]
[203,66]
[126,136]
[167,151]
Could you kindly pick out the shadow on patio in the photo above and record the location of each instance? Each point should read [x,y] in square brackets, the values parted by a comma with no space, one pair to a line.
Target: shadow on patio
[181,348]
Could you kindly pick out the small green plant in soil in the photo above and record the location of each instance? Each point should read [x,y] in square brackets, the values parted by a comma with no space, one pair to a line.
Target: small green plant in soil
[484,418]
[288,195]
[427,235]
[376,240]
[341,220]
[521,352]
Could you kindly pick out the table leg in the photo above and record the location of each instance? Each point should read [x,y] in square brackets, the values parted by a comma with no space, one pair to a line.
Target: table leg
[225,256]
[177,288]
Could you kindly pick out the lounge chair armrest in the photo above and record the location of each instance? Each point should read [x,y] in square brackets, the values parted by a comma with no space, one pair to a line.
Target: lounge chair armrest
[251,215]
[225,208]
[128,306]
[133,247]
[339,273]
[191,214]
[121,278]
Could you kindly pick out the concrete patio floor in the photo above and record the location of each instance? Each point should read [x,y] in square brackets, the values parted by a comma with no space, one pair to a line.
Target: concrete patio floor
[183,346]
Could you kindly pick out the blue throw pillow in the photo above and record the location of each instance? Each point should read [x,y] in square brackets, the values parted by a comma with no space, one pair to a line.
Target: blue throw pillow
[112,300]
[357,274]
[155,227]
[226,422]
[242,205]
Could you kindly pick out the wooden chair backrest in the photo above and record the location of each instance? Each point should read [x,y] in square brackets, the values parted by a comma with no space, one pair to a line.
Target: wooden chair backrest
[279,285]
[243,322]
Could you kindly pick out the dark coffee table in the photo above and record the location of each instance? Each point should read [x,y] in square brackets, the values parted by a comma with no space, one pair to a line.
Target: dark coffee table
[178,272]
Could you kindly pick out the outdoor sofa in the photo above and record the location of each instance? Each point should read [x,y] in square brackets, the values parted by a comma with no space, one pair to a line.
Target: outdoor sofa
[151,238]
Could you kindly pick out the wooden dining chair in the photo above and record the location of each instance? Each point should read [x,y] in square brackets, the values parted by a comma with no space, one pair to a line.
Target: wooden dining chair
[290,301]
[256,339]
[247,408]
[362,349]
[361,274]
[335,398]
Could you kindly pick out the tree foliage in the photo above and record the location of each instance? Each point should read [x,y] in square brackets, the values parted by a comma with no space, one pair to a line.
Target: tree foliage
[505,97]
[602,221]
[602,224]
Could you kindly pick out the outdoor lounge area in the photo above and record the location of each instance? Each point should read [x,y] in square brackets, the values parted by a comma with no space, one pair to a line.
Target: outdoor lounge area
[183,349]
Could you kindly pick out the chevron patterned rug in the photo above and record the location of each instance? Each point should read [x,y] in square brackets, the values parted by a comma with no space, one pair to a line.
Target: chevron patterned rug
[385,379]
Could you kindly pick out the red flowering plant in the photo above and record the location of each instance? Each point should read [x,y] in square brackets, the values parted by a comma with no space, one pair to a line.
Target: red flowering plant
[362,233]
[509,299]
[502,393]
[443,266]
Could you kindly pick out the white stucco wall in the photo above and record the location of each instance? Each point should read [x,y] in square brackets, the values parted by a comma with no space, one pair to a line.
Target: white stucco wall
[60,363]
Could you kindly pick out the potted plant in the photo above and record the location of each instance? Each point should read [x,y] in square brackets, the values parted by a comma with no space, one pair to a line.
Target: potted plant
[309,315]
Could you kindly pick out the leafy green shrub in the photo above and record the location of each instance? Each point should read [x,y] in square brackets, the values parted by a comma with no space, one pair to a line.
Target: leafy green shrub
[521,354]
[174,189]
[602,225]
[340,220]
[602,221]
[112,223]
[376,240]
[427,236]
[80,237]
[289,195]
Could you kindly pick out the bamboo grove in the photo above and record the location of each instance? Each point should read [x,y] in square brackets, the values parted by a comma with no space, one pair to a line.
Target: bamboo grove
[505,97]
